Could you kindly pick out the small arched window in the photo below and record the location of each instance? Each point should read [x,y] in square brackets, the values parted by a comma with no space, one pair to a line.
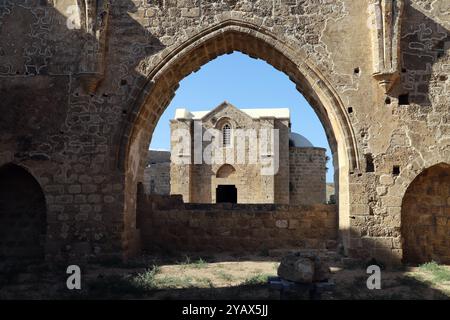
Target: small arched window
[226,135]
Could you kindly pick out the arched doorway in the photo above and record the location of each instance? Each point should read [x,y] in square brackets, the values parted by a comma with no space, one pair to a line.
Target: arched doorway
[226,37]
[426,217]
[226,190]
[22,215]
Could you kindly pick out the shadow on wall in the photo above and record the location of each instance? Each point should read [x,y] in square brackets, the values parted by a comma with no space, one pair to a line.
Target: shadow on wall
[424,43]
[425,224]
[426,217]
[45,81]
[46,63]
[60,113]
[163,87]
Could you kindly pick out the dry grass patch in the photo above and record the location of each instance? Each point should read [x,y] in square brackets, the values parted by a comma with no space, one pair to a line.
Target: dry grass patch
[434,275]
[215,274]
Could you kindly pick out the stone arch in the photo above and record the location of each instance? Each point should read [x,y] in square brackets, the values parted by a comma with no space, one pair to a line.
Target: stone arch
[155,94]
[425,216]
[225,120]
[225,171]
[22,214]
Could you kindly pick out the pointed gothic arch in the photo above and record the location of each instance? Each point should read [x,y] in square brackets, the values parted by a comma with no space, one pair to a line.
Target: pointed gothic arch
[228,36]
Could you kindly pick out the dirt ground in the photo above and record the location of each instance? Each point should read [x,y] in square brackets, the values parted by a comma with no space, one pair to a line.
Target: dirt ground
[218,277]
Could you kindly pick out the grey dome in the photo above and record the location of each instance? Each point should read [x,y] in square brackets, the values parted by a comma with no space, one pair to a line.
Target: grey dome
[297,140]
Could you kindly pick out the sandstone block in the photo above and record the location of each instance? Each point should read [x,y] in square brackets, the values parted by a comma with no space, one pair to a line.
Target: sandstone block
[303,267]
[296,269]
[386,179]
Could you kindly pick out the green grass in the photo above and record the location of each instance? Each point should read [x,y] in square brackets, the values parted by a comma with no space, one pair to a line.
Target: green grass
[200,263]
[256,280]
[146,280]
[439,273]
[174,282]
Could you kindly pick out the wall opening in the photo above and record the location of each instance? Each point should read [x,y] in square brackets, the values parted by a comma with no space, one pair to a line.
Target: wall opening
[403,99]
[226,194]
[245,93]
[396,171]
[370,167]
[387,100]
[226,135]
[22,215]
[425,226]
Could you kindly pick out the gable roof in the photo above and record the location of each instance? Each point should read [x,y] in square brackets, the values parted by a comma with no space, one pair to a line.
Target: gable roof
[278,113]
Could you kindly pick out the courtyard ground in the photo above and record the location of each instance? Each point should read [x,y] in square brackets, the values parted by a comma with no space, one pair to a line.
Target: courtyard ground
[213,277]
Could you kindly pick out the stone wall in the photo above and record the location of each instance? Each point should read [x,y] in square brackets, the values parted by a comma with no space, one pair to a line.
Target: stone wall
[426,217]
[157,173]
[79,105]
[167,224]
[158,156]
[307,175]
[197,183]
[157,178]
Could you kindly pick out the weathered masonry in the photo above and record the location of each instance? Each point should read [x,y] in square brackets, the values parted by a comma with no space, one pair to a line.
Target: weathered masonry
[157,173]
[83,84]
[250,166]
[167,224]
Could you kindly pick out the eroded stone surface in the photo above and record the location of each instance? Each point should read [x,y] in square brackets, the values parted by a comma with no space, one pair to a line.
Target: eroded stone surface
[303,268]
[76,112]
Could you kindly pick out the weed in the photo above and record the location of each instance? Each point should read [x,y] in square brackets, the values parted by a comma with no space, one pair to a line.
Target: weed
[256,280]
[438,272]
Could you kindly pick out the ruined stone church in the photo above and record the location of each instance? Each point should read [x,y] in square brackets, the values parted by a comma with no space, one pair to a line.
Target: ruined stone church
[295,172]
[81,96]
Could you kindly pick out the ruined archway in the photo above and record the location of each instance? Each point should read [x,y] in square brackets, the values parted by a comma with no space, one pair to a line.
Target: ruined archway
[425,217]
[226,37]
[22,215]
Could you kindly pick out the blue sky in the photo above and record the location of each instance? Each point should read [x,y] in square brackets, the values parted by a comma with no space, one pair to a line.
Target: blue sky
[245,83]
